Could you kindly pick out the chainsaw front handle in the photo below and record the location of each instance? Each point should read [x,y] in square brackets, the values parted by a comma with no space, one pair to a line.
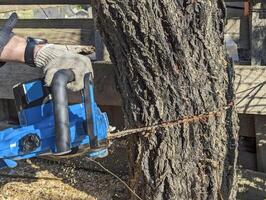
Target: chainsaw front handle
[89,111]
[60,107]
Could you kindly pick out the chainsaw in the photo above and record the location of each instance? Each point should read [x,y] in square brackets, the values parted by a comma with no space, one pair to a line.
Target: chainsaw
[49,126]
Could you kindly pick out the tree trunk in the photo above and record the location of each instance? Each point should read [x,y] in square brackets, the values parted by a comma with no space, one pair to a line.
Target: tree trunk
[170,64]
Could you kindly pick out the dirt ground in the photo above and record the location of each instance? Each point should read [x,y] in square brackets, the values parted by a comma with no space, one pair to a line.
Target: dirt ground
[75,179]
[79,179]
[251,185]
[56,182]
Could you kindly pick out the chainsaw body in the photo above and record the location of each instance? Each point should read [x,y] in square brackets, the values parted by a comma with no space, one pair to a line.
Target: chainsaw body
[38,133]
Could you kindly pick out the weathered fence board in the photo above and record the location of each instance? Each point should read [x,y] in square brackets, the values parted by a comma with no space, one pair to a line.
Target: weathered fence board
[247,125]
[235,9]
[250,85]
[61,36]
[85,23]
[3,109]
[60,31]
[238,27]
[105,87]
[244,0]
[260,127]
[258,35]
[31,2]
[244,42]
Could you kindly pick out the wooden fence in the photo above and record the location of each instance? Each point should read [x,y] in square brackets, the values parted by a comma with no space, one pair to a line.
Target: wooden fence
[250,79]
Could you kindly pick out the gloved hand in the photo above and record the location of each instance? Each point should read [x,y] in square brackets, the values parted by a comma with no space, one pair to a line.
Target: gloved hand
[52,58]
[6,30]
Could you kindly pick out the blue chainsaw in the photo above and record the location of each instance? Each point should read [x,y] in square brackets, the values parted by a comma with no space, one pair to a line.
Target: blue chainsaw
[50,127]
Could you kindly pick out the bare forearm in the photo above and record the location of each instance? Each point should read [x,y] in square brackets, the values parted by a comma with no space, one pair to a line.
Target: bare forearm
[15,50]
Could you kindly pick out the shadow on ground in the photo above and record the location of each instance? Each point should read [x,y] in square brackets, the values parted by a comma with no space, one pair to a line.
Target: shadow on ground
[251,185]
[77,178]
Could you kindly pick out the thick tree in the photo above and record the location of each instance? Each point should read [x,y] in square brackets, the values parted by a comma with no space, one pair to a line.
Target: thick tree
[170,63]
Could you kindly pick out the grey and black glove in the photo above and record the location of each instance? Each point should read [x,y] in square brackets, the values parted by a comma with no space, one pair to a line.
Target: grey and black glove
[52,58]
[6,31]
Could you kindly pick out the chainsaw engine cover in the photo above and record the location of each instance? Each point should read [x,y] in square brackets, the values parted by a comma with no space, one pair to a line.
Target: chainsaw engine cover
[36,134]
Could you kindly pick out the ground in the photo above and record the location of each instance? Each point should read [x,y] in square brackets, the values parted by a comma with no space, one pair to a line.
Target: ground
[56,182]
[251,185]
[74,179]
[79,179]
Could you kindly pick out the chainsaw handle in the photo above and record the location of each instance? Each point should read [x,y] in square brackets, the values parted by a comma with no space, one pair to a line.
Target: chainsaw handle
[89,111]
[60,106]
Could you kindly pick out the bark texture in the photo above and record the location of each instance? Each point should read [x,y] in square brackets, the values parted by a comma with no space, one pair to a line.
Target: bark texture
[171,63]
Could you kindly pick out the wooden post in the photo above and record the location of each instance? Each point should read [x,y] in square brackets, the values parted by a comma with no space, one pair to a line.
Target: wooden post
[3,109]
[101,51]
[260,127]
[3,113]
[43,2]
[246,8]
[244,37]
[258,35]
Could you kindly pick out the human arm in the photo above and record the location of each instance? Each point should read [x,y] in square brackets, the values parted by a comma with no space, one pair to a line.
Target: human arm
[49,57]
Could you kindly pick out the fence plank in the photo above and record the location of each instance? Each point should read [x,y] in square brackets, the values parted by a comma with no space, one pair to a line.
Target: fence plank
[61,36]
[105,87]
[260,124]
[33,2]
[250,85]
[74,23]
[258,41]
[60,31]
[3,109]
[247,125]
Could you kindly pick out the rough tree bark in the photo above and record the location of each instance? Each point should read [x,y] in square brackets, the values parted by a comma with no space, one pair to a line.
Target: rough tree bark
[171,63]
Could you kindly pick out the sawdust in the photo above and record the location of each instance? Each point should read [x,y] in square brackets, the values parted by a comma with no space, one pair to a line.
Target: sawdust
[70,179]
[79,179]
[44,189]
[56,182]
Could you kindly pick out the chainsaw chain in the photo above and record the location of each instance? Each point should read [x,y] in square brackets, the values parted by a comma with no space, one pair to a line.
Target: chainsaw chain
[186,119]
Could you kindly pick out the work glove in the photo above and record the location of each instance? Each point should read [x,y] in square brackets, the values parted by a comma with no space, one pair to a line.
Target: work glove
[52,58]
[6,32]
